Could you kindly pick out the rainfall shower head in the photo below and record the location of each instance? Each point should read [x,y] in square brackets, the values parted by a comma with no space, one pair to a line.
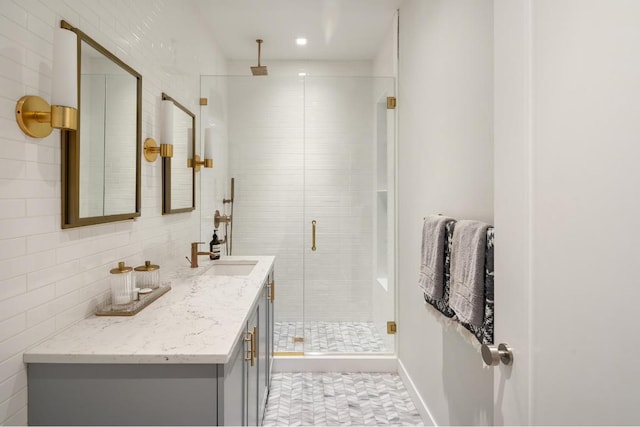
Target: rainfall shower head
[259,70]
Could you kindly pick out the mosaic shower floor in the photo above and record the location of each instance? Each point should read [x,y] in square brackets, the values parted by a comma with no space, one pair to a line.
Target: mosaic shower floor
[306,398]
[338,337]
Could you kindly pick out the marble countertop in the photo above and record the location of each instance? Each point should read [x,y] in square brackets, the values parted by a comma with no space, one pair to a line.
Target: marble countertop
[198,321]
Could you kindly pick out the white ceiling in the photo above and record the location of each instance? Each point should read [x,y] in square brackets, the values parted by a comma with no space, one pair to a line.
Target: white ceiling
[335,29]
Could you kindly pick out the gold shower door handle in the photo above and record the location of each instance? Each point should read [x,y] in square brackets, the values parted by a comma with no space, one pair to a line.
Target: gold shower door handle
[313,235]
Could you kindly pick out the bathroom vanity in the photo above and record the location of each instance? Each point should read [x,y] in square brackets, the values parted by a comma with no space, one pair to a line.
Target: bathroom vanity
[199,355]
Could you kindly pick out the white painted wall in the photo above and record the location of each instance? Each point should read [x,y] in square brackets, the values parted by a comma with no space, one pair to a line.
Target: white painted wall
[445,108]
[51,278]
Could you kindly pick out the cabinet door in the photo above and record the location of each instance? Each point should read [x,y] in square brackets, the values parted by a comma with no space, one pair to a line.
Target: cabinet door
[262,348]
[269,328]
[233,398]
[251,409]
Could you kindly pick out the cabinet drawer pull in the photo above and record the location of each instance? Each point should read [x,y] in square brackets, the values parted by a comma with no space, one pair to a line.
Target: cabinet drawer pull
[254,334]
[272,287]
[248,354]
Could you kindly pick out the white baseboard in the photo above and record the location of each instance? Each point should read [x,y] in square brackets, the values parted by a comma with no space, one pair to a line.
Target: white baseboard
[311,363]
[420,404]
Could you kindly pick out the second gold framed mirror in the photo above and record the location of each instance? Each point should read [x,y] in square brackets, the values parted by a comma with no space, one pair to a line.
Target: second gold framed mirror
[178,177]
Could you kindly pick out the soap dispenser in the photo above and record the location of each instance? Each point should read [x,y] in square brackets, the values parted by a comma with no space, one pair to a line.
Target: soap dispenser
[214,246]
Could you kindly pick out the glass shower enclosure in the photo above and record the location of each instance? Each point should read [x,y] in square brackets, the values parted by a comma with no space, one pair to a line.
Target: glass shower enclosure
[313,163]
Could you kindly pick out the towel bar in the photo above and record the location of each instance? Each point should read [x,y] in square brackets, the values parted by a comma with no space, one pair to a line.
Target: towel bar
[424,217]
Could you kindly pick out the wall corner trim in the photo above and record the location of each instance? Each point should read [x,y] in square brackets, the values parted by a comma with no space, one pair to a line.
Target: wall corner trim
[421,406]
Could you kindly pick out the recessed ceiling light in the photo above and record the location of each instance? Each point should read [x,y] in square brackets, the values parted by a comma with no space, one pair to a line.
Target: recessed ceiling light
[302,74]
[301,41]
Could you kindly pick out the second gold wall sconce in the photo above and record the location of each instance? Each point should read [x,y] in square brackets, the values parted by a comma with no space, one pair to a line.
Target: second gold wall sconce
[208,153]
[35,116]
[197,163]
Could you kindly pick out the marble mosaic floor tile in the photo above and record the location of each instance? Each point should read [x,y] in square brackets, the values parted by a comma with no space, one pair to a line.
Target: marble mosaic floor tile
[338,337]
[327,399]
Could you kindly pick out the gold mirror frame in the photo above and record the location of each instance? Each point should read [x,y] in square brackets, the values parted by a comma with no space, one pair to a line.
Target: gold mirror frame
[70,144]
[166,167]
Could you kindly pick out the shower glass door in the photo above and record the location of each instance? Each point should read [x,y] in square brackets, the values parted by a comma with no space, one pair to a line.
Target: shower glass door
[348,215]
[305,149]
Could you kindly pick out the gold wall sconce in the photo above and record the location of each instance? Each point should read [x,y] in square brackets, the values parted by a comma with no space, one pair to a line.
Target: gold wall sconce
[152,149]
[165,149]
[35,116]
[195,161]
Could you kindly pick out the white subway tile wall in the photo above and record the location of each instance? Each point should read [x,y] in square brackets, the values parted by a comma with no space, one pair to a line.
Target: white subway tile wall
[51,278]
[301,149]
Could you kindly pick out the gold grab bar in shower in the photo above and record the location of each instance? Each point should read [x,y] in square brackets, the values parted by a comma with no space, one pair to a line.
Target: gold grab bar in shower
[313,235]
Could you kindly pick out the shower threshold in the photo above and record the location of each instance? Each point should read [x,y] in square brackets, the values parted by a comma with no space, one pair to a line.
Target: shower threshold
[336,362]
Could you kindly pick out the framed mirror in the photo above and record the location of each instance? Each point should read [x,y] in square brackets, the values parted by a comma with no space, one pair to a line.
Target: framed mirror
[178,177]
[101,159]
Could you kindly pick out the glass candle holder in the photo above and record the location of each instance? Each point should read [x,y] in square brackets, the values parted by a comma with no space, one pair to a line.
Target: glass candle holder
[148,276]
[122,284]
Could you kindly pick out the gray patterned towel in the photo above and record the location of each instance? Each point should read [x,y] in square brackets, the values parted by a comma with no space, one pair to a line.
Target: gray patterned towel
[467,298]
[432,261]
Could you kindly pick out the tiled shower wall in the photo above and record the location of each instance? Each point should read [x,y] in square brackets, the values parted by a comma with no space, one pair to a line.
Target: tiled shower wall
[49,277]
[339,189]
[266,137]
[278,127]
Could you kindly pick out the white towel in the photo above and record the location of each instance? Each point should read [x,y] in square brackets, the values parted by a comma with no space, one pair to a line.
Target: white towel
[466,293]
[432,261]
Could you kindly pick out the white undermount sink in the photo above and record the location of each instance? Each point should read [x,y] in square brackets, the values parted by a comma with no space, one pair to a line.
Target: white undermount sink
[231,268]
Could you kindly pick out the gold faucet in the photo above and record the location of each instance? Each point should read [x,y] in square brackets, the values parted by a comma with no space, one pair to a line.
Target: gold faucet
[195,253]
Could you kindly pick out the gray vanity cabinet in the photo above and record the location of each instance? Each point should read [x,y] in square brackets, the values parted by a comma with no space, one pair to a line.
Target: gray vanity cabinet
[263,348]
[258,374]
[233,393]
[246,384]
[266,341]
[122,394]
[252,371]
[270,325]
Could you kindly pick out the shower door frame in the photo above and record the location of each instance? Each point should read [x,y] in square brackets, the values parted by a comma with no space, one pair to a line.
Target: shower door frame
[382,361]
[382,187]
